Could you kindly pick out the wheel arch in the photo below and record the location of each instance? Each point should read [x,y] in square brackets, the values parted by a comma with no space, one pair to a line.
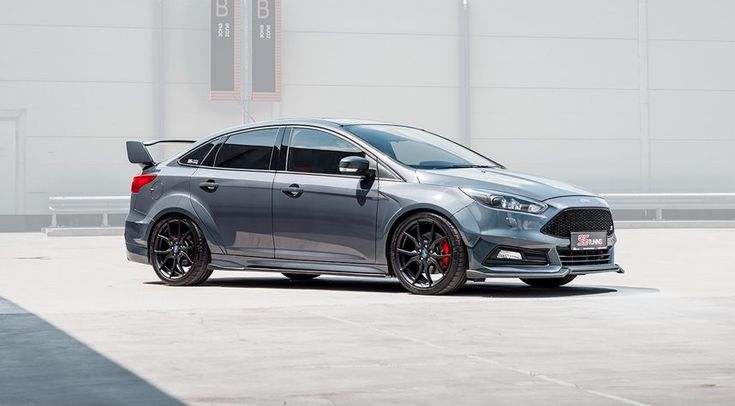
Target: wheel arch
[398,219]
[170,212]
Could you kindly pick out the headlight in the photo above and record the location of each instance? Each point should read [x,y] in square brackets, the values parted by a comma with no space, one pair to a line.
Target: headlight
[505,201]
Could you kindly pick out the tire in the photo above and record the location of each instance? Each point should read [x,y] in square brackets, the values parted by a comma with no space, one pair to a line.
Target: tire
[179,253]
[299,276]
[548,282]
[426,246]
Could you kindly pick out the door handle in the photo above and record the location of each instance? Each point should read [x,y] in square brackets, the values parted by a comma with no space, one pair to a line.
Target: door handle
[293,190]
[210,185]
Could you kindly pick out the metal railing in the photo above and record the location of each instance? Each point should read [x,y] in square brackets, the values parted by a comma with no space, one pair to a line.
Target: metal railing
[659,202]
[104,205]
[670,201]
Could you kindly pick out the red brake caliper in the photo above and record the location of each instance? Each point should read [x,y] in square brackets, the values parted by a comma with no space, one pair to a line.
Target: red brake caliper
[444,249]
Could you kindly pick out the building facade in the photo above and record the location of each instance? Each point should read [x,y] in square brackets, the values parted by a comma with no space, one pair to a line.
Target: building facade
[612,95]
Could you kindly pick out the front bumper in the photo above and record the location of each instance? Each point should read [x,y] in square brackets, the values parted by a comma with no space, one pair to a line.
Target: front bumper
[485,230]
[548,271]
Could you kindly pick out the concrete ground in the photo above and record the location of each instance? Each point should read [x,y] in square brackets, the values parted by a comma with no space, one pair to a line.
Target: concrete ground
[80,325]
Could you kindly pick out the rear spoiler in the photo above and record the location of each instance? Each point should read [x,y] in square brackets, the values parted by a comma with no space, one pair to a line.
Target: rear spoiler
[138,151]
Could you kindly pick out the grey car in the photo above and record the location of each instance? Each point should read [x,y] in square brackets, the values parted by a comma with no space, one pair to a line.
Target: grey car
[359,198]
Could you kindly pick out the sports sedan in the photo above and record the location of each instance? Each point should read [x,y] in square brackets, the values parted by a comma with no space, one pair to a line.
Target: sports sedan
[350,197]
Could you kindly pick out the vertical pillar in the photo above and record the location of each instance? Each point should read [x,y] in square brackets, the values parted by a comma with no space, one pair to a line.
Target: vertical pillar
[158,69]
[20,162]
[643,96]
[465,90]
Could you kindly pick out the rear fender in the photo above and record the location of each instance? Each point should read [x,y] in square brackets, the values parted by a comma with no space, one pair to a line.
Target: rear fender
[206,222]
[183,205]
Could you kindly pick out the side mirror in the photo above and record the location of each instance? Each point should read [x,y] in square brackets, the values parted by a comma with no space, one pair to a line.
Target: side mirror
[355,165]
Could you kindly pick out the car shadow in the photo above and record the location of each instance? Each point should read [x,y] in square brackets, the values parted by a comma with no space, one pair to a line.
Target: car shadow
[494,289]
[42,365]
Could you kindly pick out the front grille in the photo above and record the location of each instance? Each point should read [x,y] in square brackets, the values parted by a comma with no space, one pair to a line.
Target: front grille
[571,220]
[586,257]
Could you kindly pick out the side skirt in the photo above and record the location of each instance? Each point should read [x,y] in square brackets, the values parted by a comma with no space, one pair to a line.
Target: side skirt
[241,263]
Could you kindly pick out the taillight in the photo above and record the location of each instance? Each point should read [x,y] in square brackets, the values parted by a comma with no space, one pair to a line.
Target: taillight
[141,180]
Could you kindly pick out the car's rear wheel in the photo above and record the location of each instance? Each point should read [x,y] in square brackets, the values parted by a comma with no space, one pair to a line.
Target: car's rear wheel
[428,256]
[299,276]
[548,282]
[179,252]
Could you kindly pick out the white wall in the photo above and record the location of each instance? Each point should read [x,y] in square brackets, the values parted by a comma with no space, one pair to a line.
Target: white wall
[556,89]
[692,80]
[380,59]
[614,95]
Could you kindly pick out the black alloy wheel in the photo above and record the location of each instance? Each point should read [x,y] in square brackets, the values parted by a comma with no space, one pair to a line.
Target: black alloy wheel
[179,252]
[428,256]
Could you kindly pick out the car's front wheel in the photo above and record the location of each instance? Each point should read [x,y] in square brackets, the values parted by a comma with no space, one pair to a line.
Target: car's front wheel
[548,282]
[179,252]
[428,256]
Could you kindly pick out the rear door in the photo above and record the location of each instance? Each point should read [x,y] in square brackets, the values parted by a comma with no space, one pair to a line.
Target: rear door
[234,193]
[319,214]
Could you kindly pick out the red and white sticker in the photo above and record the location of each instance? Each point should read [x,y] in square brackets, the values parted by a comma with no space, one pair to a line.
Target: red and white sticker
[589,240]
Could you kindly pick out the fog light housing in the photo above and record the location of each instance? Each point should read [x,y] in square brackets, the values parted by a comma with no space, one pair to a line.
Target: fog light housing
[514,256]
[507,254]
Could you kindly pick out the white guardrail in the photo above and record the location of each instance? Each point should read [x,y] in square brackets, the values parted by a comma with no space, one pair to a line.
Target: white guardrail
[106,205]
[670,201]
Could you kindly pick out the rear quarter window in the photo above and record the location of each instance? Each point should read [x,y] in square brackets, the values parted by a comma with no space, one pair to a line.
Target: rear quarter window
[197,155]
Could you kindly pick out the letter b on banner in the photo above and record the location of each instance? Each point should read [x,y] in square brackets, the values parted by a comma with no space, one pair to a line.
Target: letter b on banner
[263,9]
[222,8]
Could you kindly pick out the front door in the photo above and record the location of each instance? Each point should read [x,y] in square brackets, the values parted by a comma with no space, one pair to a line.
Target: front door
[319,214]
[235,194]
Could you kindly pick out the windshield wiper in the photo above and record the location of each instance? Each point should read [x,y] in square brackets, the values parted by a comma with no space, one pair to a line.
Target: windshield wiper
[465,166]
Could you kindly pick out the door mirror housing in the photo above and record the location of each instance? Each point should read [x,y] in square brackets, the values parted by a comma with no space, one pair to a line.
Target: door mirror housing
[355,165]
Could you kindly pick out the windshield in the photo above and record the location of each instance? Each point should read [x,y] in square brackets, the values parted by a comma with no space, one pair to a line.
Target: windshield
[418,148]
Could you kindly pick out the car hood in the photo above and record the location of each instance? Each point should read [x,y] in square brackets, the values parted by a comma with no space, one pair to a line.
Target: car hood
[500,180]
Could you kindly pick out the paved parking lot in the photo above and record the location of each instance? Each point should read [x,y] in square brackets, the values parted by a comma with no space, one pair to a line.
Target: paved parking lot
[80,325]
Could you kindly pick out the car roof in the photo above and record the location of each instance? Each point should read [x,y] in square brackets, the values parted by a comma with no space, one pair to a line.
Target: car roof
[352,121]
[322,122]
[325,121]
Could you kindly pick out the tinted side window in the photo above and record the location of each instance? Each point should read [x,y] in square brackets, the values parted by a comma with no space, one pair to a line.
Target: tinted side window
[209,159]
[315,151]
[196,157]
[248,150]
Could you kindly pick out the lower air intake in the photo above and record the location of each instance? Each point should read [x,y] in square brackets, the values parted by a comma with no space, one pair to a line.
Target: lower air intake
[586,257]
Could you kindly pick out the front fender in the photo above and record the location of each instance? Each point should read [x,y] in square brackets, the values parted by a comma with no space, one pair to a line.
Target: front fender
[398,199]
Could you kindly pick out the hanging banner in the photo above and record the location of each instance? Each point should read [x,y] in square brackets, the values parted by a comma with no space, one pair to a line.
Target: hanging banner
[225,33]
[266,50]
